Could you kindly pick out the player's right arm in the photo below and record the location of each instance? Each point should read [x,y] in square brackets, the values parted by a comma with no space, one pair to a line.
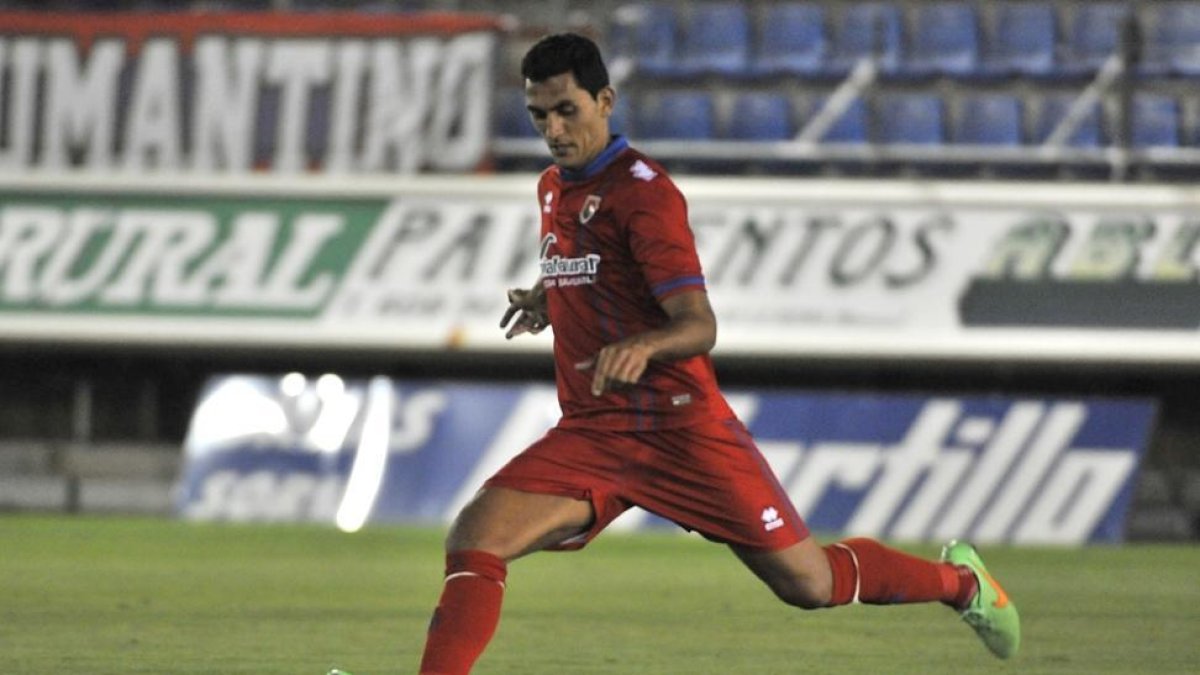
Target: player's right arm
[691,329]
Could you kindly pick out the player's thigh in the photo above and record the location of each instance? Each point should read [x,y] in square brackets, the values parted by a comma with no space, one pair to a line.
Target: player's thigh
[711,478]
[510,523]
[799,574]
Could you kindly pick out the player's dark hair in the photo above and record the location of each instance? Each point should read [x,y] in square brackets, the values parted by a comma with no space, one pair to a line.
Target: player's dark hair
[566,52]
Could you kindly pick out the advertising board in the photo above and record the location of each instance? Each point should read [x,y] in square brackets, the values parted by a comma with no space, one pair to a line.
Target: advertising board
[212,93]
[793,268]
[991,469]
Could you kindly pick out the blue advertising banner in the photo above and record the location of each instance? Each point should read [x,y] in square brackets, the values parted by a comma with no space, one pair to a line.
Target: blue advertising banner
[907,467]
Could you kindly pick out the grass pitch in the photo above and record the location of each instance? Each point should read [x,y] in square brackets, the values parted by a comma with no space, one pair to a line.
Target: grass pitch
[108,595]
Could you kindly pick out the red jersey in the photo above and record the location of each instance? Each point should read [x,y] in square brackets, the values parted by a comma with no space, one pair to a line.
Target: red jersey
[616,243]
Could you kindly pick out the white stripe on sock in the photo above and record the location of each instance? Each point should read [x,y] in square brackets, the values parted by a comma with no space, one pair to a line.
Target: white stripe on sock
[472,574]
[857,572]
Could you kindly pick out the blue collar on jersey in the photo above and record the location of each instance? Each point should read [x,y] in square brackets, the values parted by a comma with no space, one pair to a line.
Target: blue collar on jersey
[615,147]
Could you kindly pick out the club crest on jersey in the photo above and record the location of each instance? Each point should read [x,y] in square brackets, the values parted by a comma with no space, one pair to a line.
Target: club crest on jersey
[590,206]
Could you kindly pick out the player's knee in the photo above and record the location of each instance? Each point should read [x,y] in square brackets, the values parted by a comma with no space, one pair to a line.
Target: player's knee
[804,592]
[498,548]
[474,530]
[463,537]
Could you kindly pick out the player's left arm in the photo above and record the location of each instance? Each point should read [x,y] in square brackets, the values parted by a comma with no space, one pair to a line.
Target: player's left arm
[529,307]
[691,329]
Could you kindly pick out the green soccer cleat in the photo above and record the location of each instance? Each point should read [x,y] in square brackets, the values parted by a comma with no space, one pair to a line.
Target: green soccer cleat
[992,615]
[335,671]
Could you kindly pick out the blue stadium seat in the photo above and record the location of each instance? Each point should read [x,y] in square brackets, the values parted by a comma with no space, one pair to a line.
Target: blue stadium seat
[865,29]
[945,40]
[761,117]
[910,118]
[680,115]
[989,119]
[647,35]
[1054,108]
[1155,122]
[1172,43]
[716,40]
[853,126]
[1093,35]
[621,121]
[792,40]
[1023,41]
[512,118]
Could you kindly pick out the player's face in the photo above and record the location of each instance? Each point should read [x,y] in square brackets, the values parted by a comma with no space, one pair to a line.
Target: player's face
[574,124]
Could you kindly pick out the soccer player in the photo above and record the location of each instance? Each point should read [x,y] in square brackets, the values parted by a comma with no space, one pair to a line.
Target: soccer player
[643,422]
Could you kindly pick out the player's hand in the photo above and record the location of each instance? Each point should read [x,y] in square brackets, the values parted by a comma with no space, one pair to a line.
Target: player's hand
[529,308]
[617,366]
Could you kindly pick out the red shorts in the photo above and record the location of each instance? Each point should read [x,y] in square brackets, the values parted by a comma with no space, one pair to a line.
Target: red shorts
[709,478]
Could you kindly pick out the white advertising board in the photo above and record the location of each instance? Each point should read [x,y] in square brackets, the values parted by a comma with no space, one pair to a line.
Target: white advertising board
[793,267]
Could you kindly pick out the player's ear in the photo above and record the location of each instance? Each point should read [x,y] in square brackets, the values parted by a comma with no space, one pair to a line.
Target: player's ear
[606,98]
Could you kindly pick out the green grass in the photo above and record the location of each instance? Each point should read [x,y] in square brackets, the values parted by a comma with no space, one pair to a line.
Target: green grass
[96,596]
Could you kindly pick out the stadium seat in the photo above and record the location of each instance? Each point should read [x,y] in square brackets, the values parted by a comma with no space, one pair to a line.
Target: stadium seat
[646,36]
[1023,40]
[716,40]
[761,117]
[1053,109]
[910,118]
[682,115]
[792,40]
[1093,35]
[989,119]
[851,127]
[512,118]
[621,121]
[945,40]
[866,29]
[1155,122]
[1172,43]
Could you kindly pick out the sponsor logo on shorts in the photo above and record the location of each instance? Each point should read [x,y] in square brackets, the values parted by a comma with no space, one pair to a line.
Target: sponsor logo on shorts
[771,519]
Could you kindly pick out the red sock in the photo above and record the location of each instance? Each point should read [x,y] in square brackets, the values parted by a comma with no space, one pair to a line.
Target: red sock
[467,613]
[866,571]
